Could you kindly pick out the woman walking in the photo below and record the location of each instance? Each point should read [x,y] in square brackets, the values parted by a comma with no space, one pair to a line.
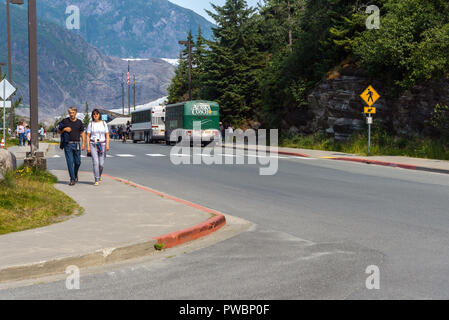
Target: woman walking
[97,144]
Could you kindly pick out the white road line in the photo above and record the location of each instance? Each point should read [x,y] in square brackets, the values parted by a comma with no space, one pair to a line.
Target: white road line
[56,156]
[109,156]
[156,155]
[125,155]
[302,158]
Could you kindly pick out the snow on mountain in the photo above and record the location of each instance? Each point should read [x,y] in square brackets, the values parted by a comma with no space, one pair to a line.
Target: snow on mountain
[154,103]
[173,62]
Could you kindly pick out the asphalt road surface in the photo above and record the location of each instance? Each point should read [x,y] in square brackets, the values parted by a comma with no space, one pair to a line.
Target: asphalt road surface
[319,224]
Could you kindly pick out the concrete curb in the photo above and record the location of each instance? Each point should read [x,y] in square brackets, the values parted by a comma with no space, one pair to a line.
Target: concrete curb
[366,161]
[179,237]
[97,258]
[113,255]
[285,153]
[390,164]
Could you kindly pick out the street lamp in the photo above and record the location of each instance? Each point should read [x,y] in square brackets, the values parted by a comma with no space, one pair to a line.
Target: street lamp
[189,46]
[8,26]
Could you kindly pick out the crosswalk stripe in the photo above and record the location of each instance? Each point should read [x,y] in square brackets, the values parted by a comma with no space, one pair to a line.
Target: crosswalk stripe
[156,155]
[125,155]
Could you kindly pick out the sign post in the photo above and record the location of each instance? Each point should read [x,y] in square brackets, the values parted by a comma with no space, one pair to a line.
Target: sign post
[370,96]
[6,90]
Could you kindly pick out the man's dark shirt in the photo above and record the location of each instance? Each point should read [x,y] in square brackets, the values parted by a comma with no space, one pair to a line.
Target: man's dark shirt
[76,126]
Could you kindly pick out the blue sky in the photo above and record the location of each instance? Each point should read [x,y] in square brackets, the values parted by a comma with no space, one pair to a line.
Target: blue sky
[199,5]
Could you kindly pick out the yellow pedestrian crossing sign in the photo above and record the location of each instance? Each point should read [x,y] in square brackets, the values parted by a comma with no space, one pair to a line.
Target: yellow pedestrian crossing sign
[370,96]
[370,110]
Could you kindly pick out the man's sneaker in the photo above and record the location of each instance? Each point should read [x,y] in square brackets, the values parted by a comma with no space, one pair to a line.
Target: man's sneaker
[72,183]
[96,184]
[76,180]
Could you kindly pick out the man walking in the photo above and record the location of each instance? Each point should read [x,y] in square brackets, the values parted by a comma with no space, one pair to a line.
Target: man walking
[72,149]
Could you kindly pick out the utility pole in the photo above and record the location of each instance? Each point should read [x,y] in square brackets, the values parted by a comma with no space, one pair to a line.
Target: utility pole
[134,88]
[123,95]
[8,26]
[32,44]
[189,48]
[290,32]
[129,92]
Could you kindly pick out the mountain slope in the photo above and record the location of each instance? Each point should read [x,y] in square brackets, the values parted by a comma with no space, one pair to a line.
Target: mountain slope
[71,71]
[123,28]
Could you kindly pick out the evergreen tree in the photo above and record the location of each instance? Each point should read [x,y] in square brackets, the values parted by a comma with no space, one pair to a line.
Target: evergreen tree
[86,119]
[178,89]
[198,57]
[233,64]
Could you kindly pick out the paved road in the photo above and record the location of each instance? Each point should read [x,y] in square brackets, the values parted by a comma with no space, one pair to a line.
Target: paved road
[319,225]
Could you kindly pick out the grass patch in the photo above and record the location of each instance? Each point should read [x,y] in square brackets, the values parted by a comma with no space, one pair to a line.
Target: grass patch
[382,144]
[28,200]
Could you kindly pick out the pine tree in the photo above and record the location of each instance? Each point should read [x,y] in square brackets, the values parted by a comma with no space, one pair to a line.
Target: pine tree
[86,119]
[179,87]
[177,91]
[233,64]
[198,57]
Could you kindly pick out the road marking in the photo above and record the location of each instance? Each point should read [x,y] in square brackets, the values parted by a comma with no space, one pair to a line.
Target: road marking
[125,155]
[156,155]
[56,156]
[302,158]
[108,156]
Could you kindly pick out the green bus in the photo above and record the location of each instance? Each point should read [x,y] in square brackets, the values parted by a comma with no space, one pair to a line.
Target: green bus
[182,116]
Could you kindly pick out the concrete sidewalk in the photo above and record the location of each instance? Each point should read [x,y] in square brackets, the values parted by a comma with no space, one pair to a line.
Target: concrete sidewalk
[121,221]
[431,165]
[20,152]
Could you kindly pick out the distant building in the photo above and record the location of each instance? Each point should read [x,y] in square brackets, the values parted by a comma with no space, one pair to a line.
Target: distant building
[111,115]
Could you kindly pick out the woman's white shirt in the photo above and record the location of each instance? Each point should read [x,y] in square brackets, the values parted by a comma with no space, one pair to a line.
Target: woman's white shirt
[98,130]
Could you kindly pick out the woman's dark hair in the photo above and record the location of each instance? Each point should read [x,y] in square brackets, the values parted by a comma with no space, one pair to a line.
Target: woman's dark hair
[94,112]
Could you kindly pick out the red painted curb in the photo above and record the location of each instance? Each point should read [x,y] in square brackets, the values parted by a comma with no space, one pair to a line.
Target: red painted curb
[176,238]
[380,163]
[286,153]
[293,154]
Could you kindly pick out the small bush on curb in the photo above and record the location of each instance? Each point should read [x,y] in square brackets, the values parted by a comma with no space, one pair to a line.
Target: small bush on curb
[159,246]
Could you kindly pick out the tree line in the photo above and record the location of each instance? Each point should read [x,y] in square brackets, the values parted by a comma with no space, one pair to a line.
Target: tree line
[263,62]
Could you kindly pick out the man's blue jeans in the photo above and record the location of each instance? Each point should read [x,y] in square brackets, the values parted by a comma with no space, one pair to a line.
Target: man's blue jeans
[73,157]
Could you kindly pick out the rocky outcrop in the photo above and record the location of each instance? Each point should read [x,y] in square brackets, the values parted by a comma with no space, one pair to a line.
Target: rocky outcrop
[7,162]
[413,109]
[335,106]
